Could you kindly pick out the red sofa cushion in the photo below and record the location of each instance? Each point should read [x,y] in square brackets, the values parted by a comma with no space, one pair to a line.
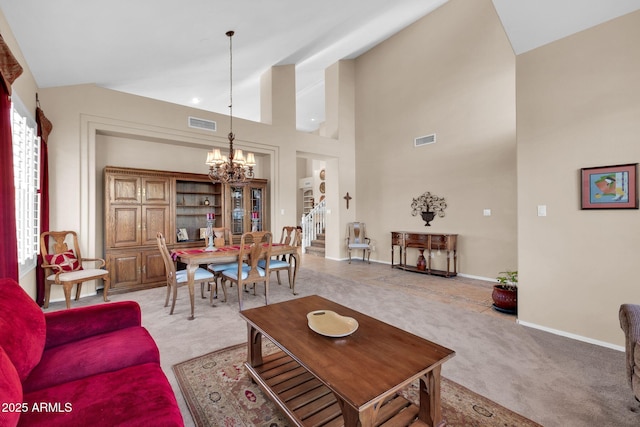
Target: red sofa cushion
[74,324]
[10,392]
[136,396]
[22,327]
[94,355]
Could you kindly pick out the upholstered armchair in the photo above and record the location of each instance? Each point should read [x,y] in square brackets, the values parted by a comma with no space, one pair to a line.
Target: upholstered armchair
[64,265]
[630,324]
[357,240]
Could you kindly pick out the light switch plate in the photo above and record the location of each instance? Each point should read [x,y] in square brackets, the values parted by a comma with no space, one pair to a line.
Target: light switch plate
[542,210]
[486,212]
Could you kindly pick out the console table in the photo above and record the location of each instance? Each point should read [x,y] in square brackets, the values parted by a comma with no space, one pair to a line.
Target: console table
[427,243]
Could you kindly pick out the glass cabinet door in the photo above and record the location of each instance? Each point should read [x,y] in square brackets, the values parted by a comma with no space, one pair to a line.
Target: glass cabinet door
[237,210]
[257,216]
[246,207]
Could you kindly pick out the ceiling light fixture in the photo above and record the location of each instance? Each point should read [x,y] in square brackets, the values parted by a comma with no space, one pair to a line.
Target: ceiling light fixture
[233,169]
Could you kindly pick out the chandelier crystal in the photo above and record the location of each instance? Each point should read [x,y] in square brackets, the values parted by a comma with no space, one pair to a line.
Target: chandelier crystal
[234,169]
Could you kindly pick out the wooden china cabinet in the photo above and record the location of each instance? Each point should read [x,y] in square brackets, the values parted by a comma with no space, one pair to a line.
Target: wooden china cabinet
[137,206]
[141,202]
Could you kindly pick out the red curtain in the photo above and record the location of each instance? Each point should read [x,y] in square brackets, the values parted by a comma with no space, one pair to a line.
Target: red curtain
[8,240]
[10,69]
[44,128]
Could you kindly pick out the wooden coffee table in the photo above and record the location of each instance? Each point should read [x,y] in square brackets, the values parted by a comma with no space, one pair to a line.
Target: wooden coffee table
[348,381]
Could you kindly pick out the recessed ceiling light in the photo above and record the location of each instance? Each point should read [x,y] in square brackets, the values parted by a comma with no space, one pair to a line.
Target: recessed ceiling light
[195,100]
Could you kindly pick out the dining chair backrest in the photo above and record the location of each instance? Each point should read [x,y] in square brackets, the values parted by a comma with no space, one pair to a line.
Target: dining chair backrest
[222,236]
[169,265]
[289,235]
[357,239]
[254,246]
[357,233]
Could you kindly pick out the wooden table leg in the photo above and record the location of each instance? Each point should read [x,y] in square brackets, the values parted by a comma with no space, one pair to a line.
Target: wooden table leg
[296,258]
[254,352]
[105,291]
[430,403]
[353,418]
[191,274]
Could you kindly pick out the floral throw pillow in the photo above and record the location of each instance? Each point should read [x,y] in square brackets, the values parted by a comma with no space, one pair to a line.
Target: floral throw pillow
[66,260]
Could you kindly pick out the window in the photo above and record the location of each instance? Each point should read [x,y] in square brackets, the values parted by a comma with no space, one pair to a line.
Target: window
[26,169]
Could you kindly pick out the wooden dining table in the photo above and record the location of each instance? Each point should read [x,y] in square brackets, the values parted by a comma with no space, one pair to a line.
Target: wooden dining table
[194,257]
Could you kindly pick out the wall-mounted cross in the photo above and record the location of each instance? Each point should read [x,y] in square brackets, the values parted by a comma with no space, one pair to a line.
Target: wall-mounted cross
[347,198]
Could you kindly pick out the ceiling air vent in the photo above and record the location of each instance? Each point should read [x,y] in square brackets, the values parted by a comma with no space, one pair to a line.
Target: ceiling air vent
[425,140]
[197,123]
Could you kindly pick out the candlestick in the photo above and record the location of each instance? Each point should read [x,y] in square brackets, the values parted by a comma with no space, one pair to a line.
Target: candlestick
[210,233]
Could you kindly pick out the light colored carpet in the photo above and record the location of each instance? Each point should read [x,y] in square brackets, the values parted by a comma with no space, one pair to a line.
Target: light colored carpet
[220,392]
[549,379]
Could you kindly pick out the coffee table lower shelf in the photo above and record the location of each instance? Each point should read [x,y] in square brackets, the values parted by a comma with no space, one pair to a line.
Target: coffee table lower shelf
[308,402]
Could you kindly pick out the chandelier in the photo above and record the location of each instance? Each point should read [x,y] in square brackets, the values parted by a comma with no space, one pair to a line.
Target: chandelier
[234,169]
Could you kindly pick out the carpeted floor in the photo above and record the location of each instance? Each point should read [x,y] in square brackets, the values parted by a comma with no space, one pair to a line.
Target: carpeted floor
[219,392]
[549,379]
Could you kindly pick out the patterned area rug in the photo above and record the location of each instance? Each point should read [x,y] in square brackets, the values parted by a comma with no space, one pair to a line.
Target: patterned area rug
[219,392]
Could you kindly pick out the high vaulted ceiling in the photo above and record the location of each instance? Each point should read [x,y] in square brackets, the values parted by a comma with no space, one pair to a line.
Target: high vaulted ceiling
[177,51]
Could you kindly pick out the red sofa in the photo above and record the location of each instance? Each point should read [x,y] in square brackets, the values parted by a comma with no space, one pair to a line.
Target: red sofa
[88,366]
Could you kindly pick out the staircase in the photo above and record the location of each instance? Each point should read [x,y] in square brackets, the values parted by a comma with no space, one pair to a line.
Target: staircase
[313,227]
[317,246]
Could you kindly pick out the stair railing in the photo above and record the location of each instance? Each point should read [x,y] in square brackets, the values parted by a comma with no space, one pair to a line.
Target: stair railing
[313,223]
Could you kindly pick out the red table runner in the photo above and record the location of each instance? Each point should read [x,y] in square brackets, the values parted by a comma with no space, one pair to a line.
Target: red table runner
[175,253]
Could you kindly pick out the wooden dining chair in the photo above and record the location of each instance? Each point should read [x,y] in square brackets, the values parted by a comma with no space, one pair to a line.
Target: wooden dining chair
[175,277]
[292,236]
[64,265]
[253,247]
[222,237]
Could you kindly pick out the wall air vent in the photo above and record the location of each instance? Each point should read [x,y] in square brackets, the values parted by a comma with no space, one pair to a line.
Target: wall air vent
[424,140]
[197,123]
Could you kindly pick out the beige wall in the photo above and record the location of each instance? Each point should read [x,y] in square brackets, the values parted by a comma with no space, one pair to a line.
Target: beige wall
[578,106]
[451,73]
[94,127]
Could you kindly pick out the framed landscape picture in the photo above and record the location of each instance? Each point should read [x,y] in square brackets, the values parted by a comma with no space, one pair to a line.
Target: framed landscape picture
[610,187]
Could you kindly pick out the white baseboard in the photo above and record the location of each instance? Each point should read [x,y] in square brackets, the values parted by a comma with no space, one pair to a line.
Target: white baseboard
[73,297]
[485,279]
[572,336]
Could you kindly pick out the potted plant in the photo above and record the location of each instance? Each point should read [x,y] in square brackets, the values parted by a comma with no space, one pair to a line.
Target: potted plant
[505,293]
